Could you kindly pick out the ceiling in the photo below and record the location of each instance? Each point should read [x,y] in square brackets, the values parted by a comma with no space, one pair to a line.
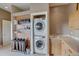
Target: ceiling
[23,6]
[7,6]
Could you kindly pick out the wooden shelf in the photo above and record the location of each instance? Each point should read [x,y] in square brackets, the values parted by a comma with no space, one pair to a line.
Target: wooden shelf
[21,15]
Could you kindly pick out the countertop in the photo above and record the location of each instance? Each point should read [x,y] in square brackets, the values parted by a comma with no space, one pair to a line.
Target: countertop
[72,42]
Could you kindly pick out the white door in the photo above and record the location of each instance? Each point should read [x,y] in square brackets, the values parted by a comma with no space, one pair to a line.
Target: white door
[6,32]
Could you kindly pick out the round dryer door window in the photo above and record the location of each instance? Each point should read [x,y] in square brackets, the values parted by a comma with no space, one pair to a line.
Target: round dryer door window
[40,44]
[39,26]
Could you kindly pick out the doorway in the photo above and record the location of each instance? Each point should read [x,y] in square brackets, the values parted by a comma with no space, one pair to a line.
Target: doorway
[6,28]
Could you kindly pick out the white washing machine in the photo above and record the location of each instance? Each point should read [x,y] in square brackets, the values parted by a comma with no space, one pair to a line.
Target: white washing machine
[40,36]
[40,46]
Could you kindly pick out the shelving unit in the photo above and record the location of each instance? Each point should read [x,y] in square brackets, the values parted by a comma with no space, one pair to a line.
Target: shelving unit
[21,25]
[18,16]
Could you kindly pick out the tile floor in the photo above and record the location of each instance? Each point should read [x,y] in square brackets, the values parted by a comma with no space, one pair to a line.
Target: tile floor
[6,51]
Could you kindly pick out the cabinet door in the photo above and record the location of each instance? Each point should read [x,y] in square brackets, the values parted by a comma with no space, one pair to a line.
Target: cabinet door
[71,52]
[58,47]
[74,20]
[52,45]
[64,49]
[67,51]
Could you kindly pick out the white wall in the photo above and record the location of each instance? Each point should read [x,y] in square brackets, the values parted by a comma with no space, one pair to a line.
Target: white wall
[6,32]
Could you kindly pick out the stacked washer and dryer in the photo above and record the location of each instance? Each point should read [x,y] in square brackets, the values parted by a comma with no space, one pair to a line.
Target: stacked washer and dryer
[40,33]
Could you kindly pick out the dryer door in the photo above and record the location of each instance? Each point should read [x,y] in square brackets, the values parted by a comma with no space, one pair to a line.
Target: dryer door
[39,26]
